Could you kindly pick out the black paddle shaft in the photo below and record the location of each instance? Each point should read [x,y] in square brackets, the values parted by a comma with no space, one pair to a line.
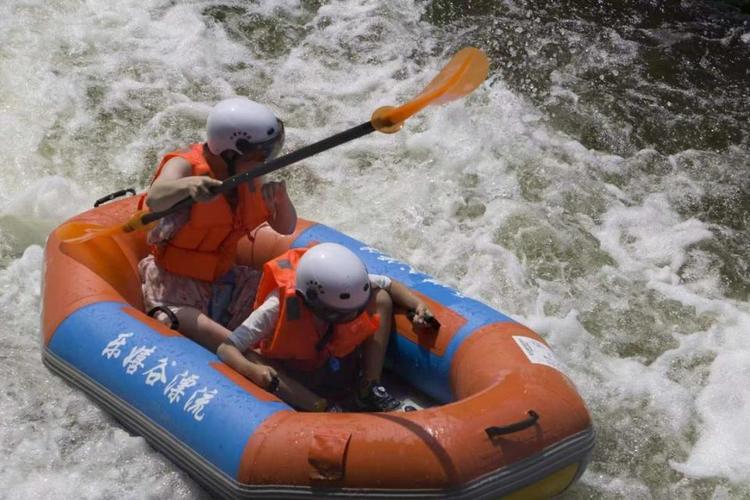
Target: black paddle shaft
[270,166]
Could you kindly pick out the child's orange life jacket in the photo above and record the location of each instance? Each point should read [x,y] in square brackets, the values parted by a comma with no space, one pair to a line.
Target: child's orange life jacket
[295,336]
[206,246]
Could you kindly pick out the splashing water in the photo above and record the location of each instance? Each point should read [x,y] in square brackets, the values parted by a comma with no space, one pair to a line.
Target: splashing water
[595,188]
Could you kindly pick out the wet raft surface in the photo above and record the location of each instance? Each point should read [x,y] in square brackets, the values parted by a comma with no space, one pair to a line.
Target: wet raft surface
[595,190]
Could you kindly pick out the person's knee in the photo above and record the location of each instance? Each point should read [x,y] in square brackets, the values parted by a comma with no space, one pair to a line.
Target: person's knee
[185,314]
[197,326]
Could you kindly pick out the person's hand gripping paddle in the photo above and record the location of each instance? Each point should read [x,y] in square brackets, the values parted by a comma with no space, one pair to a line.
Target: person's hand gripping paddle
[464,73]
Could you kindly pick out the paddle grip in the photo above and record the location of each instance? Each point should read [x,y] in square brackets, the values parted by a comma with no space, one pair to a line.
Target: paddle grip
[270,166]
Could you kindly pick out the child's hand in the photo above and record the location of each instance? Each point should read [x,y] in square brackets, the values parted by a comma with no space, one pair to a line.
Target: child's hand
[274,194]
[422,315]
[264,376]
[199,187]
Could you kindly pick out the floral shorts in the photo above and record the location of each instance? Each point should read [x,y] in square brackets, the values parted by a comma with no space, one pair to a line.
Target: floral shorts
[162,288]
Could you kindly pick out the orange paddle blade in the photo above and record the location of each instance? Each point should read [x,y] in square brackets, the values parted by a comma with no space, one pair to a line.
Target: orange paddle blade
[80,232]
[464,73]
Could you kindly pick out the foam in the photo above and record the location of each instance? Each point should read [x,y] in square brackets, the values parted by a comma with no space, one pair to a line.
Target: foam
[650,236]
[587,248]
[721,449]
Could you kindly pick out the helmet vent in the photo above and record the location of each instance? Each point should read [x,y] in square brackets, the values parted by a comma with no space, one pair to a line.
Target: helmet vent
[312,293]
[366,287]
[270,131]
[344,296]
[243,145]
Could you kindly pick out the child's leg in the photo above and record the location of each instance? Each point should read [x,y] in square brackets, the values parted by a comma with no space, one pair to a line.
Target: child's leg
[197,326]
[373,353]
[289,389]
[187,298]
[371,395]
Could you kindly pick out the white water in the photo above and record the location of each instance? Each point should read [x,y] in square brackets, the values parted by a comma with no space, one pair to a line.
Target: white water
[480,193]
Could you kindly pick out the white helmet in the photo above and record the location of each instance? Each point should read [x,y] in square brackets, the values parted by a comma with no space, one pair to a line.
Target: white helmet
[334,282]
[241,125]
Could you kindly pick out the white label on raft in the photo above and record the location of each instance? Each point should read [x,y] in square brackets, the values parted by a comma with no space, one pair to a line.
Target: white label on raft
[538,353]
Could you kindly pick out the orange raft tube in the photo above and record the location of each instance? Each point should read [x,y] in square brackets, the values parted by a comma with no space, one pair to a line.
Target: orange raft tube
[505,419]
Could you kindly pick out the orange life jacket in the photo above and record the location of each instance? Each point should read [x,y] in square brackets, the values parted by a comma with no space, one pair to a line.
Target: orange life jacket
[295,336]
[206,246]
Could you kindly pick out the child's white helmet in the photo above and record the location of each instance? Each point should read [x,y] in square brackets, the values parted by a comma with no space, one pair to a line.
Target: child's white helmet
[241,125]
[333,281]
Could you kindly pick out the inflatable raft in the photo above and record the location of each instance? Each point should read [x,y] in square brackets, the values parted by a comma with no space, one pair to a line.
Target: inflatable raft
[504,419]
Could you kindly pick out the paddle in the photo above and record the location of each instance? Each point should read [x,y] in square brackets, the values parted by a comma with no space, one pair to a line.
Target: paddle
[463,73]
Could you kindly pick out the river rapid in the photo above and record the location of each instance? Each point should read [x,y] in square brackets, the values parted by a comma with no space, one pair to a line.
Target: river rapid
[595,188]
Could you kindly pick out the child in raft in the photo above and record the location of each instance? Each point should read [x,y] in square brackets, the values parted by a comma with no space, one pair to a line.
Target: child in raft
[189,278]
[315,306]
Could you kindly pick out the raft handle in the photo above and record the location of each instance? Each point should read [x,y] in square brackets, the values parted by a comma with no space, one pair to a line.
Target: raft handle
[112,196]
[518,426]
[174,322]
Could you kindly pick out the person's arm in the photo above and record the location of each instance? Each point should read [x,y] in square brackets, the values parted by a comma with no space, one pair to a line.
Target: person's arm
[236,352]
[258,326]
[403,297]
[268,378]
[176,183]
[261,375]
[283,215]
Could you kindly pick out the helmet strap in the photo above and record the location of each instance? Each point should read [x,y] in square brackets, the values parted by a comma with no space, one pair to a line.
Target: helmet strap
[307,301]
[231,168]
[325,339]
[230,159]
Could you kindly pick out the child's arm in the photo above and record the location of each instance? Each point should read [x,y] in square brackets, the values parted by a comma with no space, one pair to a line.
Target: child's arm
[262,375]
[402,297]
[283,215]
[177,182]
[236,352]
[258,326]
